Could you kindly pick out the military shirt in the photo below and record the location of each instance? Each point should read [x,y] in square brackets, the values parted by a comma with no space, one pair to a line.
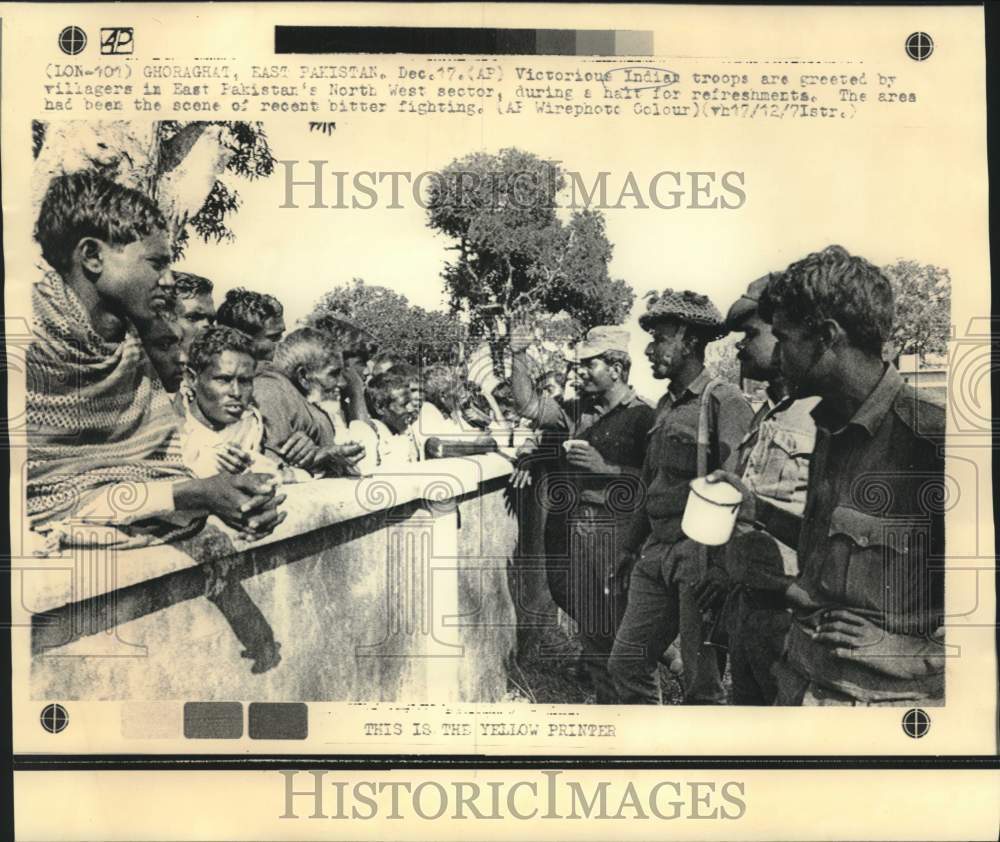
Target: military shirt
[671,460]
[618,432]
[872,541]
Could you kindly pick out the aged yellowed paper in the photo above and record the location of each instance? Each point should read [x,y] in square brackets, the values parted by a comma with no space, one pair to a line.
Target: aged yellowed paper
[285,287]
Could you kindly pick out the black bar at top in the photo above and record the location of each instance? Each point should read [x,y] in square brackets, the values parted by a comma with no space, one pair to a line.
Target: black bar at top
[425,40]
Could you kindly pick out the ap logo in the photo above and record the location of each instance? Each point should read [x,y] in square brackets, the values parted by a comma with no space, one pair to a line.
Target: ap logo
[117,41]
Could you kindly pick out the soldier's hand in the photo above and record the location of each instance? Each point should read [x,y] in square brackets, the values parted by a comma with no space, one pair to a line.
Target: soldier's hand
[748,509]
[844,631]
[797,597]
[712,590]
[520,338]
[585,456]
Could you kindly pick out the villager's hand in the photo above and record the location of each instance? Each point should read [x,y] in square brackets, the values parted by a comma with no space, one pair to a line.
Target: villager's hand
[263,523]
[299,450]
[844,631]
[585,456]
[233,459]
[748,509]
[236,500]
[521,478]
[334,463]
[351,452]
[712,590]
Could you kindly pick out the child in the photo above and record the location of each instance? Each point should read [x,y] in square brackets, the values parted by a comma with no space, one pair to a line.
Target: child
[166,340]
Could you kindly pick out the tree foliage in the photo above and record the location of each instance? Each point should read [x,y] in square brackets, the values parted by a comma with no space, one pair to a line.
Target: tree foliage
[166,162]
[515,257]
[923,308]
[721,361]
[420,336]
[251,159]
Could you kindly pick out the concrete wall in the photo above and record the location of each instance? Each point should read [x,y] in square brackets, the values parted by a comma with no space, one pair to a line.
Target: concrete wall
[394,588]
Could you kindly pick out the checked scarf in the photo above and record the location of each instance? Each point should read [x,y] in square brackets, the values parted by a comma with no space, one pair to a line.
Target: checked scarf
[96,415]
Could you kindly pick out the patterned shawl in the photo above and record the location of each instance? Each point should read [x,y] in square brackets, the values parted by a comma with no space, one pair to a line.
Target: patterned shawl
[96,413]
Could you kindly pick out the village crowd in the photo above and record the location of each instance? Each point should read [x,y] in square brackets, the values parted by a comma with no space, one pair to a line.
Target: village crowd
[830,590]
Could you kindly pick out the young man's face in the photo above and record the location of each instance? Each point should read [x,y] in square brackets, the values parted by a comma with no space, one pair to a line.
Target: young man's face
[401,411]
[224,389]
[325,383]
[167,350]
[796,353]
[268,337]
[755,350]
[595,376]
[665,351]
[135,278]
[198,312]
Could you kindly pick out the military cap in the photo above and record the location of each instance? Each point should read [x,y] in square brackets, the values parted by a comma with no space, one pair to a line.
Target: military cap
[600,340]
[746,305]
[687,307]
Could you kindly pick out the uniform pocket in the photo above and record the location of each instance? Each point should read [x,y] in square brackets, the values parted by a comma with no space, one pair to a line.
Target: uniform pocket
[865,567]
[679,454]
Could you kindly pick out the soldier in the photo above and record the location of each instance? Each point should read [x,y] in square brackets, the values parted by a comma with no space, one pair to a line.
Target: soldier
[774,462]
[605,432]
[700,422]
[868,603]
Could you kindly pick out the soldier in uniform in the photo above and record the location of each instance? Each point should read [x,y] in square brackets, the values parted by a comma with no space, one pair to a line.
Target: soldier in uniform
[592,494]
[868,601]
[700,422]
[774,462]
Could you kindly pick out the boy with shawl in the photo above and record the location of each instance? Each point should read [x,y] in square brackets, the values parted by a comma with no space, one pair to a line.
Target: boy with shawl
[102,435]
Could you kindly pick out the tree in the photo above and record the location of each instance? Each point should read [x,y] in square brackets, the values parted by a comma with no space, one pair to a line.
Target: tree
[721,361]
[420,336]
[923,308]
[515,256]
[178,164]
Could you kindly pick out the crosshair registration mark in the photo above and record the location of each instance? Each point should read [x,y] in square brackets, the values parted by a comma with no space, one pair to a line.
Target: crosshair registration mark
[916,723]
[72,40]
[54,718]
[919,46]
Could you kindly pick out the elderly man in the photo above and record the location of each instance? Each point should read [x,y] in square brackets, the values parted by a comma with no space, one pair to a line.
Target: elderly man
[774,462]
[604,433]
[387,436]
[700,422]
[307,369]
[868,602]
